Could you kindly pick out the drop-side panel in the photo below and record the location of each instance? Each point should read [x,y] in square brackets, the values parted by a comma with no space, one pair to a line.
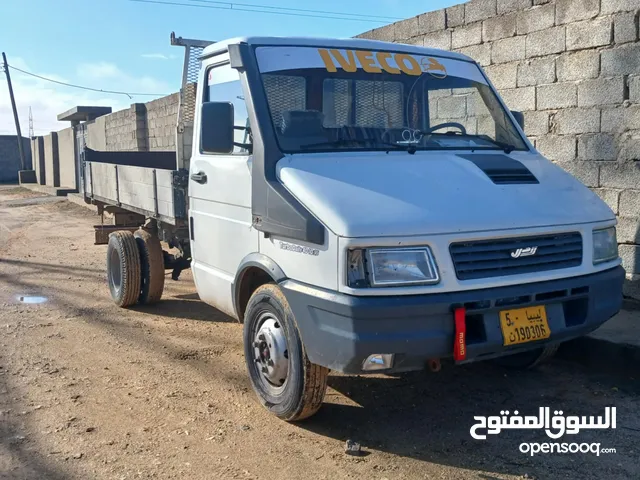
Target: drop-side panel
[147,191]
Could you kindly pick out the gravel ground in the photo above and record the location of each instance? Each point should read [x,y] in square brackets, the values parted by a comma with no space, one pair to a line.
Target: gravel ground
[88,390]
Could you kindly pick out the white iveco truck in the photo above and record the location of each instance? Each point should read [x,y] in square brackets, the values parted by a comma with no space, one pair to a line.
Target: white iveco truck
[363,207]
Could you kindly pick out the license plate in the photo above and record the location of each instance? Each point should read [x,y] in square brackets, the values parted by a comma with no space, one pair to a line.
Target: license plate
[524,325]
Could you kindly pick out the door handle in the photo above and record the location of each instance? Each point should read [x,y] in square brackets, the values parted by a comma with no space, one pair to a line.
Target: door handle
[199,177]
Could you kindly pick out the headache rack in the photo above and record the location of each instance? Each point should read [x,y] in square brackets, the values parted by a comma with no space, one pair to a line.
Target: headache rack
[151,184]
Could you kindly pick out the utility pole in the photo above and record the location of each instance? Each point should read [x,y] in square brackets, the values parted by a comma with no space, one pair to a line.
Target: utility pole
[15,111]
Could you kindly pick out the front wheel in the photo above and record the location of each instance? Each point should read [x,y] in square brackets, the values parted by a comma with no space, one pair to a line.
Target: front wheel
[530,359]
[286,382]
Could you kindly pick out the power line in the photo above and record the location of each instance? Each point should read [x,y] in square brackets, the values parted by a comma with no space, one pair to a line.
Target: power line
[230,6]
[304,10]
[130,95]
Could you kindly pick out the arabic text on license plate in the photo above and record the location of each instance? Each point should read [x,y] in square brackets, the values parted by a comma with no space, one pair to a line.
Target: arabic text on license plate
[524,325]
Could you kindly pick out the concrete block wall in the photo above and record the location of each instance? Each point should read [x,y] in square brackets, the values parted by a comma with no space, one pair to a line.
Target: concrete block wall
[54,159]
[162,115]
[37,159]
[142,127]
[573,68]
[96,137]
[139,128]
[67,157]
[10,157]
[33,147]
[125,129]
[51,160]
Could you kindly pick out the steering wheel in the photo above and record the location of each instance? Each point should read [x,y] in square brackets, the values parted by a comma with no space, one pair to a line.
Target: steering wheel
[447,124]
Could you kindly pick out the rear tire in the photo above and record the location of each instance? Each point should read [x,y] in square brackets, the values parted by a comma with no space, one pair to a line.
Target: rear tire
[290,387]
[526,360]
[152,267]
[123,268]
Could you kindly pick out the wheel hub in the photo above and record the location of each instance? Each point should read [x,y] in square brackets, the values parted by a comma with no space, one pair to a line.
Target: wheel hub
[270,352]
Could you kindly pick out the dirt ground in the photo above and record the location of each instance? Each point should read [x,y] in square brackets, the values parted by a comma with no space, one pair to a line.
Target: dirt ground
[91,391]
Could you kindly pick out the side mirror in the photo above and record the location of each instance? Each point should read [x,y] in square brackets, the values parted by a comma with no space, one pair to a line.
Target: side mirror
[216,127]
[519,116]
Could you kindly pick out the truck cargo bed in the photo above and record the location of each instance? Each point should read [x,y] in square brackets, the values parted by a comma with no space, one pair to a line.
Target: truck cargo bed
[142,182]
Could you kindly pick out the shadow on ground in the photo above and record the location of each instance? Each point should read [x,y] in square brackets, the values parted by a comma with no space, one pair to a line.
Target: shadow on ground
[177,307]
[427,416]
[422,416]
[41,268]
[21,452]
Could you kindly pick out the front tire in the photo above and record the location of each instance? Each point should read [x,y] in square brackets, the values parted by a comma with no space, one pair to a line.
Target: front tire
[286,382]
[123,268]
[527,360]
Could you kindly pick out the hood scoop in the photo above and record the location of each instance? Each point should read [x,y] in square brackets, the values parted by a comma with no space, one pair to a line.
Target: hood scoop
[501,169]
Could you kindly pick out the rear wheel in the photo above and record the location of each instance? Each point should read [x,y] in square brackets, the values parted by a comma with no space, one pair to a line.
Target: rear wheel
[123,268]
[152,267]
[286,382]
[530,359]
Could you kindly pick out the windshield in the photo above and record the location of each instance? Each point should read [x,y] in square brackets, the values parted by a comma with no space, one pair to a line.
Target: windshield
[330,99]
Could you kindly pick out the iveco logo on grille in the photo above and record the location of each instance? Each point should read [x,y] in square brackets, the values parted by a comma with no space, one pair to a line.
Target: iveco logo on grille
[524,252]
[489,258]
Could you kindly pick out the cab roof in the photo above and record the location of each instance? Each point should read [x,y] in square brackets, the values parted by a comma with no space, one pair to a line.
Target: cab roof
[355,43]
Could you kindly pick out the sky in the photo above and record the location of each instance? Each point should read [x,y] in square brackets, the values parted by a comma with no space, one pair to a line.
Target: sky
[124,45]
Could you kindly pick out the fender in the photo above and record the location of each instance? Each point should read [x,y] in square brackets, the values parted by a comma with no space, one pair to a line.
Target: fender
[260,261]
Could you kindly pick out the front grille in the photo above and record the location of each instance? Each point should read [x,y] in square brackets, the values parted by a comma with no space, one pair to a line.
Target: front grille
[495,258]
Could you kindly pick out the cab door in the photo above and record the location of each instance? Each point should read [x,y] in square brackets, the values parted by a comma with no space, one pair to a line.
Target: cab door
[220,195]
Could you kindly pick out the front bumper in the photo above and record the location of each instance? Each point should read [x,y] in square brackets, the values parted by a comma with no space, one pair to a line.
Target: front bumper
[340,331]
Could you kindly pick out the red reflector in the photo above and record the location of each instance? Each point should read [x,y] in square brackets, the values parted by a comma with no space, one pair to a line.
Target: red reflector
[460,342]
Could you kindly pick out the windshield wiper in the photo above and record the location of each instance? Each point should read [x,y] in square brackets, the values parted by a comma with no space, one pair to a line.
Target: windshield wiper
[507,147]
[347,141]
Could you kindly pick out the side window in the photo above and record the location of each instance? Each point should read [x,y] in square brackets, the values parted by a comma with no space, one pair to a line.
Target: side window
[223,85]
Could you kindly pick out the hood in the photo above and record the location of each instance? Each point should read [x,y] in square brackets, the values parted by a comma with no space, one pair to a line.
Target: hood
[373,194]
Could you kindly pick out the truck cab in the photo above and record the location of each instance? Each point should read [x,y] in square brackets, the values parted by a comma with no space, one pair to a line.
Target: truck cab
[369,207]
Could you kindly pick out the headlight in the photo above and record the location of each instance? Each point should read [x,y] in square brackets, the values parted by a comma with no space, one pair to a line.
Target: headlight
[605,245]
[391,267]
